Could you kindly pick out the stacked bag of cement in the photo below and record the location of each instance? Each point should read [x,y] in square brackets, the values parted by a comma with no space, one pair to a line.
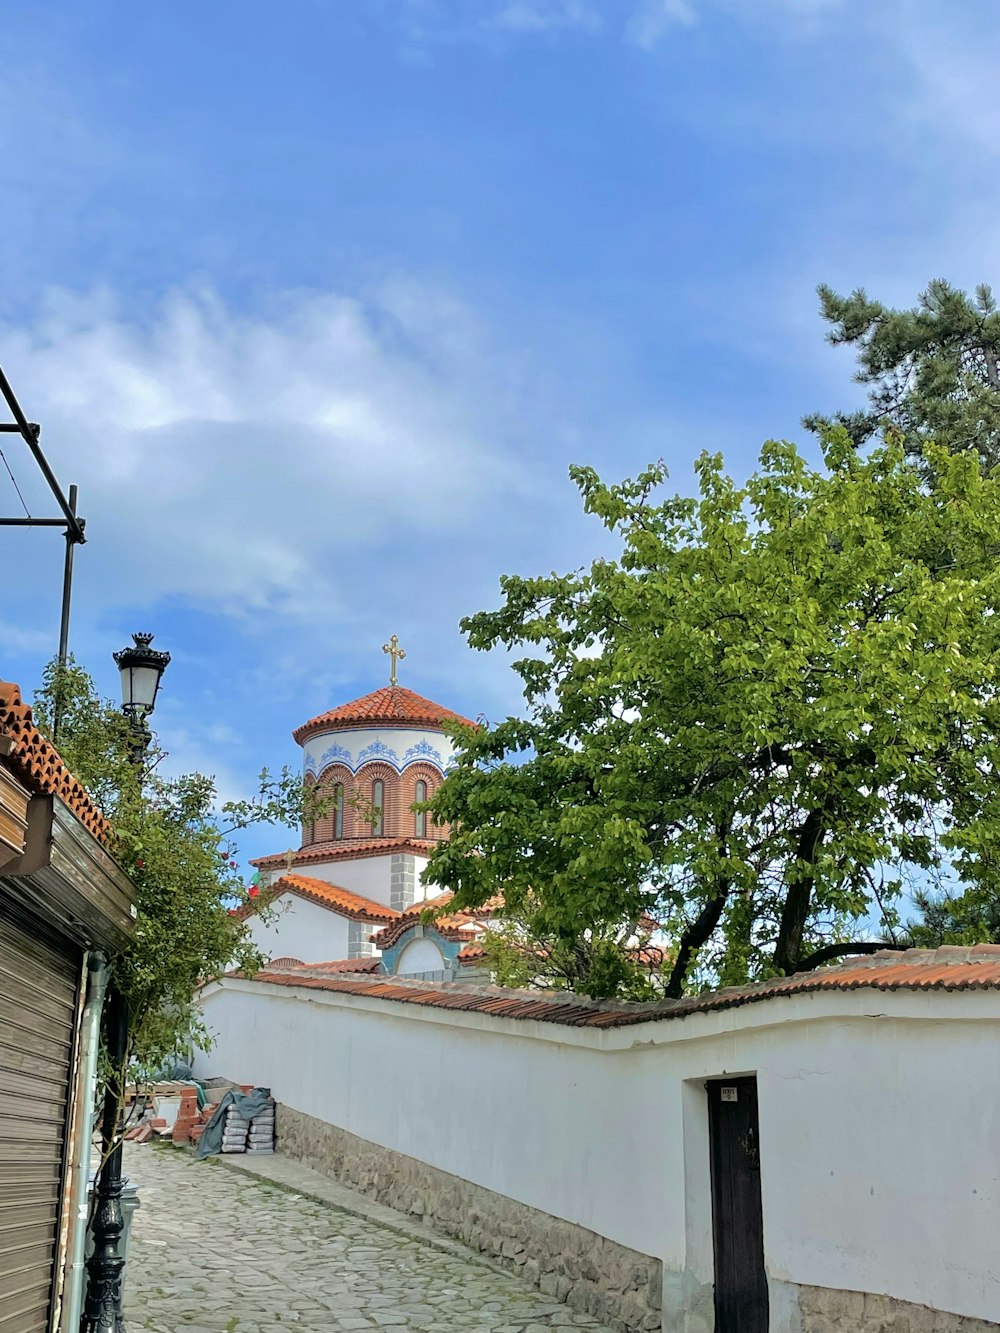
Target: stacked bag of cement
[234,1131]
[261,1136]
[243,1122]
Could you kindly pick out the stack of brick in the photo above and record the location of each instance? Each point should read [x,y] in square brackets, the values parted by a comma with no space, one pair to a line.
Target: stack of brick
[187,1126]
[187,1116]
[198,1128]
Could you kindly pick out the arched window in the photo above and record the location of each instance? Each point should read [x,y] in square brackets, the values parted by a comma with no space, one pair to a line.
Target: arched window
[378,807]
[420,816]
[338,810]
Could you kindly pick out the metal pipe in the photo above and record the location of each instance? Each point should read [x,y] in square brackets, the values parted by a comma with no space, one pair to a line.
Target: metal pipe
[67,594]
[31,431]
[34,522]
[67,586]
[97,983]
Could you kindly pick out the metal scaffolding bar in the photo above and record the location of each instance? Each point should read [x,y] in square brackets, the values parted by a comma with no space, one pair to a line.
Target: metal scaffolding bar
[73,526]
[31,431]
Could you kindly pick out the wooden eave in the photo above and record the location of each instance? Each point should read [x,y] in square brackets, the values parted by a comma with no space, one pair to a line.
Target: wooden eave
[62,872]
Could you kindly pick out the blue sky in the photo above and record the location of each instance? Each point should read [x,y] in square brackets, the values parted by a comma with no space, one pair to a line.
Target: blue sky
[317,302]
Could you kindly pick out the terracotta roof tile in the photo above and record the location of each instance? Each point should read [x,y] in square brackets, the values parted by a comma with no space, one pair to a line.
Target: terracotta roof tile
[459,926]
[358,966]
[341,901]
[428,904]
[391,706]
[339,851]
[976,968]
[38,765]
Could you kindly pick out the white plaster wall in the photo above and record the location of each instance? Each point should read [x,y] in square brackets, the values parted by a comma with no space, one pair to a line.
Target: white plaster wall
[402,747]
[421,955]
[371,876]
[301,929]
[424,890]
[879,1119]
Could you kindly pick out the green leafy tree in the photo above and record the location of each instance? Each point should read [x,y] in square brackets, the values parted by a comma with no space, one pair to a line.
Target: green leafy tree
[606,962]
[175,843]
[933,371]
[777,704]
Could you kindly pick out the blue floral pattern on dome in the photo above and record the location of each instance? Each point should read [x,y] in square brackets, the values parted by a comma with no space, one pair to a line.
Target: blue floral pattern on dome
[423,750]
[377,750]
[334,754]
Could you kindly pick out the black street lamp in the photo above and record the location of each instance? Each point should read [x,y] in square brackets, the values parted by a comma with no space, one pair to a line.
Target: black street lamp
[141,669]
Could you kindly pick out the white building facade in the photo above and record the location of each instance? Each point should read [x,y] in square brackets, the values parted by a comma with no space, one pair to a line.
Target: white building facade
[594,1147]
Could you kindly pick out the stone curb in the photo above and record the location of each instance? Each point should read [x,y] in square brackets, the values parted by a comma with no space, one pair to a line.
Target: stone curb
[358,1206]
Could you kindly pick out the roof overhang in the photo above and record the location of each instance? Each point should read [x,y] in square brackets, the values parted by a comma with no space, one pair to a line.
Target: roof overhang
[66,876]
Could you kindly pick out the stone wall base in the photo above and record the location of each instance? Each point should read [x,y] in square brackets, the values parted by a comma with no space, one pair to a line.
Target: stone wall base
[826,1310]
[616,1285]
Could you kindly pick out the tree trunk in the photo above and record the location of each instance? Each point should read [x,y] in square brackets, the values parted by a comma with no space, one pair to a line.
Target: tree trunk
[799,895]
[831,951]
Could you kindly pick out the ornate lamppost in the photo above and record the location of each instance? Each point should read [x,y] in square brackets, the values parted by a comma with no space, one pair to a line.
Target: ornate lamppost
[141,669]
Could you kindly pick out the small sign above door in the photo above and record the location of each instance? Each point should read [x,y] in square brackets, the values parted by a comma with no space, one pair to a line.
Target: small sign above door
[729,1094]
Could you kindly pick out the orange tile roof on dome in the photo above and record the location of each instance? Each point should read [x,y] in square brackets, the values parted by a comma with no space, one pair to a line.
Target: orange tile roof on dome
[341,901]
[37,764]
[391,706]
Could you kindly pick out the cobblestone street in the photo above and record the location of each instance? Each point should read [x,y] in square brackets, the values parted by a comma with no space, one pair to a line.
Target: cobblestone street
[215,1251]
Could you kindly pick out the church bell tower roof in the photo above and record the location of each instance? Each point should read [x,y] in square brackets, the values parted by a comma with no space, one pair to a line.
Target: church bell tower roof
[391,706]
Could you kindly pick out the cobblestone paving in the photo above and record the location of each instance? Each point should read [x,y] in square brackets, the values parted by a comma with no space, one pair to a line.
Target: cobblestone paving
[212,1251]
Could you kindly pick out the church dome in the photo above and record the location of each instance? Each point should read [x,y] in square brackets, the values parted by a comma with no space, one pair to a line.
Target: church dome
[392,706]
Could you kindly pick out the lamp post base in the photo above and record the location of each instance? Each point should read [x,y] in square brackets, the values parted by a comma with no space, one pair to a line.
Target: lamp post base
[102,1311]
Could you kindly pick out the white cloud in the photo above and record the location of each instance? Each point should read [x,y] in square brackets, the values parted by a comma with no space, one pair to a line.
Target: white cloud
[654,18]
[18,639]
[244,463]
[643,23]
[528,16]
[955,63]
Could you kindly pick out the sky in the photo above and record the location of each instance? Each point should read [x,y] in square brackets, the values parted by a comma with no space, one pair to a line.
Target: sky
[318,302]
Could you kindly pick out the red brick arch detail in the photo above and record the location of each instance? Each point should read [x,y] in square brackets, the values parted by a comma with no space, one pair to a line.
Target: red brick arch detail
[412,774]
[308,828]
[323,828]
[393,822]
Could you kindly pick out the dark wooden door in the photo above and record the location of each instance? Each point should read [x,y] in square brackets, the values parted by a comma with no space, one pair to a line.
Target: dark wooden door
[737,1222]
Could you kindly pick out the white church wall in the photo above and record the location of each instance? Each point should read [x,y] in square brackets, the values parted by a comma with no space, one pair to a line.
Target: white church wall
[302,929]
[420,955]
[370,876]
[879,1124]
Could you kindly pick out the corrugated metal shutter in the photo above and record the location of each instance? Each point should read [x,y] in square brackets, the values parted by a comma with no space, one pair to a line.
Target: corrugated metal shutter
[38,991]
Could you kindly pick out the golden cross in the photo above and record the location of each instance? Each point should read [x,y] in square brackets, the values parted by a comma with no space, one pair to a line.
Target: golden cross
[396,653]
